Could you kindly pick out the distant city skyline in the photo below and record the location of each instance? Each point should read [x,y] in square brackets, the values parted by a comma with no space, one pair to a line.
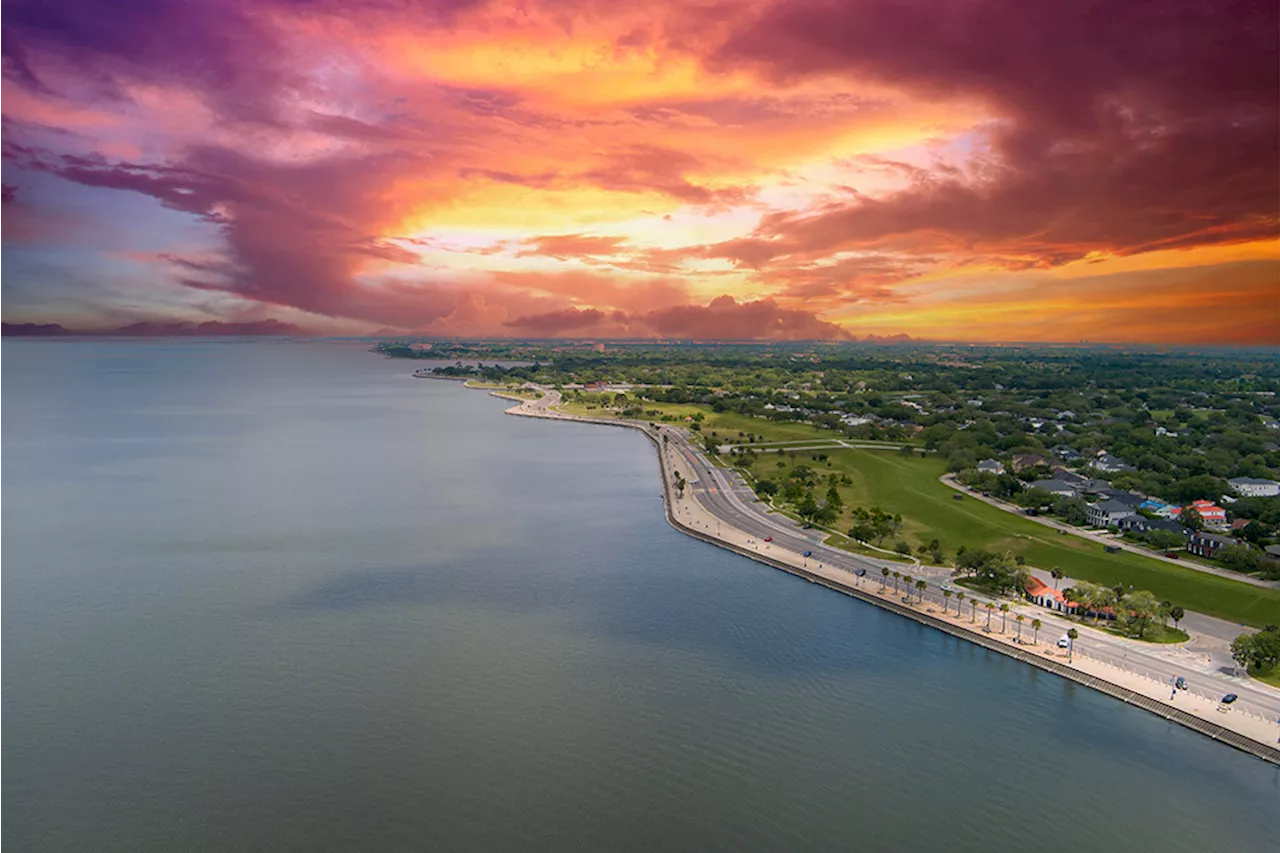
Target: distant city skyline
[992,170]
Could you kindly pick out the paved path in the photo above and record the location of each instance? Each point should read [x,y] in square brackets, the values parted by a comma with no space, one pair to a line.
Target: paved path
[718,502]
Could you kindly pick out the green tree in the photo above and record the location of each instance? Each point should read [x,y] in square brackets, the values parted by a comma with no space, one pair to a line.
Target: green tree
[1190,518]
[1242,557]
[1036,625]
[833,498]
[902,548]
[1004,617]
[959,603]
[1176,613]
[884,578]
[1136,611]
[921,586]
[1072,634]
[991,608]
[1020,619]
[946,601]
[1057,575]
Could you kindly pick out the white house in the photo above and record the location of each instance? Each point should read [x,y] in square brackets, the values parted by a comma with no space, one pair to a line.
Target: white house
[1108,513]
[1252,487]
[990,466]
[1110,464]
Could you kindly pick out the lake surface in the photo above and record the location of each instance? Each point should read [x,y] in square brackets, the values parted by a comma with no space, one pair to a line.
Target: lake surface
[283,596]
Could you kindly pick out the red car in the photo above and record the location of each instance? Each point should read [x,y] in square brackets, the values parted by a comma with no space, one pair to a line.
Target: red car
[768,538]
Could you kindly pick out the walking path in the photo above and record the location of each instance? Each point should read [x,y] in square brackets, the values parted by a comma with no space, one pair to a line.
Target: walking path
[716,506]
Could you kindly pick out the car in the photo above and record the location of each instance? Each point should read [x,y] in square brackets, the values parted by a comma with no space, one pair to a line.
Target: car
[768,538]
[808,553]
[1064,643]
[957,497]
[1172,555]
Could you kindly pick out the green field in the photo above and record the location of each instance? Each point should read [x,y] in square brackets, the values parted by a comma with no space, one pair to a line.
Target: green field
[909,486]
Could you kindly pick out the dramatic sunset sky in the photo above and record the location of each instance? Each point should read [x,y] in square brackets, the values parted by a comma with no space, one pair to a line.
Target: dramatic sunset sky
[955,169]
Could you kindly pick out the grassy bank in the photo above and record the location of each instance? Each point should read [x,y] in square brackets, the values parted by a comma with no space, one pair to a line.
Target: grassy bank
[909,486]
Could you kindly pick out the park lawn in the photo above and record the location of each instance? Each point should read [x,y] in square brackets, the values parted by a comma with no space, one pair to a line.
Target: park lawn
[909,485]
[1155,634]
[1270,676]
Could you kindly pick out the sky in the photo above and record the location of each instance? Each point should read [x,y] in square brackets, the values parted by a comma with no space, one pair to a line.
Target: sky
[988,170]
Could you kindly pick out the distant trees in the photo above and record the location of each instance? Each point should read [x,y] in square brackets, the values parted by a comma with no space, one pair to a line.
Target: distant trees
[1190,518]
[1242,557]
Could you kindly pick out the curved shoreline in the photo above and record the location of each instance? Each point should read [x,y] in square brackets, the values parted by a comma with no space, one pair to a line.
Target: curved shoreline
[1223,734]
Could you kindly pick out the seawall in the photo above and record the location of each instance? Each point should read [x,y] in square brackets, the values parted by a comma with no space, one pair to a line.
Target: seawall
[1219,733]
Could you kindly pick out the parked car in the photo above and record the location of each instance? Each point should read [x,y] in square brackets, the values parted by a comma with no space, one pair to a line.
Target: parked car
[1064,643]
[957,497]
[808,553]
[768,538]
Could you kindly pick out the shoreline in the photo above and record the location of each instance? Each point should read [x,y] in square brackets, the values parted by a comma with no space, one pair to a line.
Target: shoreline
[1243,735]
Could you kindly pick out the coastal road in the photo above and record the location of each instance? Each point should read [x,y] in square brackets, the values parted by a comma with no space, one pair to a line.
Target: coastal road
[722,494]
[718,501]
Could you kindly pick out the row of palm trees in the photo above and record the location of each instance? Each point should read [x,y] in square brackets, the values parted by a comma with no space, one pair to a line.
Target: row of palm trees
[920,586]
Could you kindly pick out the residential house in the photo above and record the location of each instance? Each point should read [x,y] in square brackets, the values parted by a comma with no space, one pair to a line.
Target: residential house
[1066,453]
[990,466]
[1046,596]
[1213,515]
[1110,464]
[1067,414]
[1129,499]
[1108,513]
[1056,487]
[1204,544]
[1028,460]
[1252,487]
[1273,552]
[1142,524]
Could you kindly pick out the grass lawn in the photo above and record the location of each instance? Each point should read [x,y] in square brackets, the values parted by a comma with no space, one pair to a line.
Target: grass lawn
[909,486]
[1155,634]
[1270,676]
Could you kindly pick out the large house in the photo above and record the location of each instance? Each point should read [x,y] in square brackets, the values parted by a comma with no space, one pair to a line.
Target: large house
[1204,544]
[1213,515]
[1066,453]
[1108,513]
[1252,487]
[1110,464]
[990,466]
[1028,460]
[1056,487]
[1142,524]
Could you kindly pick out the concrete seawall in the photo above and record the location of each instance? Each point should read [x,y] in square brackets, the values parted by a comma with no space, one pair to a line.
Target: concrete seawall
[1174,715]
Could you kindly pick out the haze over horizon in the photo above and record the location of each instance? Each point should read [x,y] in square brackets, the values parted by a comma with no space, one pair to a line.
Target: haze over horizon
[985,170]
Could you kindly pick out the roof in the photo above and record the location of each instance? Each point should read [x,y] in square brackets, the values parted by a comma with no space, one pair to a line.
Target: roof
[1127,498]
[1110,506]
[1214,537]
[1250,481]
[1036,588]
[1052,485]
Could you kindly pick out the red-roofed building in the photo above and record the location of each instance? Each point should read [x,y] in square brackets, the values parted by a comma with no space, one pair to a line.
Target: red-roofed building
[1213,515]
[1046,596]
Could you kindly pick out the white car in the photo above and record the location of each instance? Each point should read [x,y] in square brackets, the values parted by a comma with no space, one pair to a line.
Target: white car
[1064,643]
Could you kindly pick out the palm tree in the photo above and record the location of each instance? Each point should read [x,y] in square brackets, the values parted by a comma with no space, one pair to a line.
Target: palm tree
[1019,620]
[896,576]
[1057,576]
[973,610]
[946,601]
[1004,617]
[959,603]
[921,586]
[907,581]
[1036,623]
[1072,633]
[884,578]
[991,608]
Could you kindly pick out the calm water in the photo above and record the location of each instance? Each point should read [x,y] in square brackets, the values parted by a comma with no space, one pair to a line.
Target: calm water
[283,596]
